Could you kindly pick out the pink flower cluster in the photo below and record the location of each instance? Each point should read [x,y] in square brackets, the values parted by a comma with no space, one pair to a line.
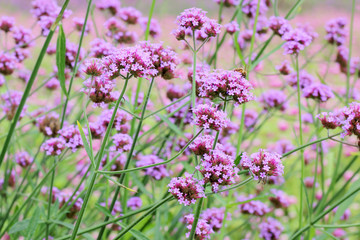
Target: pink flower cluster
[335,31]
[157,172]
[328,120]
[23,159]
[281,199]
[202,145]
[120,122]
[134,203]
[194,20]
[100,90]
[295,41]
[8,63]
[72,137]
[279,25]
[274,99]
[230,85]
[218,169]
[319,92]
[254,207]
[203,229]
[228,3]
[214,217]
[11,101]
[208,117]
[186,189]
[270,229]
[262,164]
[53,146]
[122,143]
[305,79]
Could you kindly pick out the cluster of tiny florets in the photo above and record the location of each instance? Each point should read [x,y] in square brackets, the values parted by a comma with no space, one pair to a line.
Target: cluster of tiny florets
[203,229]
[319,92]
[157,172]
[186,189]
[122,143]
[208,117]
[270,229]
[274,99]
[254,207]
[335,31]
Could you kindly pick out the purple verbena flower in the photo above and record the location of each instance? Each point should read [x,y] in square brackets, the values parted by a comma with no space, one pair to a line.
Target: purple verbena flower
[129,15]
[122,143]
[270,229]
[157,172]
[208,117]
[53,146]
[274,99]
[134,203]
[254,207]
[318,91]
[203,229]
[23,159]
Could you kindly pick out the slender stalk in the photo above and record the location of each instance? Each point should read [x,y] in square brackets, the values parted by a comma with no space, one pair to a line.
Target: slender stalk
[196,218]
[100,156]
[350,51]
[30,83]
[300,141]
[74,72]
[50,198]
[193,90]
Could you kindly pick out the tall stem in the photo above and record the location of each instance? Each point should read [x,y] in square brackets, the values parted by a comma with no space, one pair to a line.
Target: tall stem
[50,199]
[300,141]
[350,51]
[100,156]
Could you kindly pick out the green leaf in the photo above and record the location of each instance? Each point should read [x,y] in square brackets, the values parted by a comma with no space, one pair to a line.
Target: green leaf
[237,159]
[65,224]
[86,145]
[104,210]
[60,58]
[33,223]
[171,125]
[19,226]
[136,234]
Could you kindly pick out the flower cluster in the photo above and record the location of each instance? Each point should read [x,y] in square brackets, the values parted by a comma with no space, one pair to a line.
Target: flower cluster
[11,101]
[218,169]
[186,189]
[318,91]
[8,63]
[208,117]
[23,159]
[227,85]
[274,99]
[279,25]
[7,23]
[113,6]
[228,3]
[194,20]
[335,31]
[157,172]
[120,121]
[134,203]
[122,143]
[164,59]
[49,124]
[284,68]
[262,164]
[100,90]
[270,229]
[232,27]
[202,145]
[117,161]
[305,79]
[329,120]
[281,199]
[214,217]
[249,7]
[53,146]
[253,207]
[72,137]
[129,15]
[295,41]
[203,229]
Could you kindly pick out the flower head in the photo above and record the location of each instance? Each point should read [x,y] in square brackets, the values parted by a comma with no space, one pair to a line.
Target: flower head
[122,143]
[203,229]
[296,41]
[279,25]
[134,203]
[329,120]
[129,15]
[270,229]
[72,137]
[262,164]
[7,23]
[254,207]
[274,99]
[335,31]
[53,146]
[157,172]
[209,117]
[318,91]
[23,159]
[186,189]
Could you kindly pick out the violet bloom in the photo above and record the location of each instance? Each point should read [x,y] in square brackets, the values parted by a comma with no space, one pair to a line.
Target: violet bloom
[281,199]
[279,25]
[7,23]
[134,203]
[22,37]
[270,229]
[2,80]
[296,41]
[53,146]
[232,27]
[244,38]
[231,85]
[52,84]
[101,91]
[305,79]
[113,6]
[7,63]
[202,145]
[186,189]
[100,48]
[284,68]
[96,129]
[208,117]
[254,207]
[93,67]
[183,115]
[274,99]
[129,15]
[283,146]
[251,117]
[211,28]
[329,120]
[335,31]
[262,164]
[228,3]
[122,143]
[164,59]
[70,55]
[45,23]
[350,119]
[133,61]
[11,101]
[117,161]
[49,124]
[72,137]
[157,172]
[154,29]
[23,159]
[176,92]
[203,229]
[214,217]
[249,7]
[319,92]
[120,122]
[49,8]
[21,54]
[218,169]
[78,24]
[192,18]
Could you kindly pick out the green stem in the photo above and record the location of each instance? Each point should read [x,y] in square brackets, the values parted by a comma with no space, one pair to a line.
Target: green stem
[300,141]
[100,156]
[50,199]
[196,218]
[350,51]
[74,72]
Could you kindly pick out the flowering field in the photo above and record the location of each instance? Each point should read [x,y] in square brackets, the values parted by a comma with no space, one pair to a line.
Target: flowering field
[241,121]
